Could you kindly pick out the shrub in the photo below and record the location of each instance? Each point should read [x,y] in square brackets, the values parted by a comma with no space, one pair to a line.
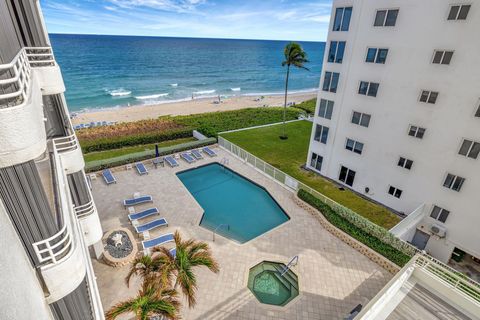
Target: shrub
[386,250]
[140,156]
[308,106]
[210,124]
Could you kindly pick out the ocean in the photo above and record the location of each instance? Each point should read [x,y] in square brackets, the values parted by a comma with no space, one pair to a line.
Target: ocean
[113,71]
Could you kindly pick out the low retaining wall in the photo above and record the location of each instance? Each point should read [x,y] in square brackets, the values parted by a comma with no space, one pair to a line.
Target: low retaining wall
[360,247]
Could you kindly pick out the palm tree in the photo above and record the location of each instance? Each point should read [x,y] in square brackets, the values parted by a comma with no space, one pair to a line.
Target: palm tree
[150,301]
[294,56]
[149,266]
[189,255]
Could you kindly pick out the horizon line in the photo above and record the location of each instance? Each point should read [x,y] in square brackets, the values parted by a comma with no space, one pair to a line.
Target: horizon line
[181,37]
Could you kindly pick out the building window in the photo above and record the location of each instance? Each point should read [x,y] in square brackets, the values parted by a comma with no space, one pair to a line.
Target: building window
[477,113]
[442,57]
[354,146]
[453,182]
[337,49]
[316,161]
[330,82]
[416,132]
[439,214]
[405,163]
[321,134]
[375,55]
[386,18]
[459,12]
[325,109]
[428,96]
[342,19]
[347,176]
[368,88]
[470,149]
[362,119]
[397,193]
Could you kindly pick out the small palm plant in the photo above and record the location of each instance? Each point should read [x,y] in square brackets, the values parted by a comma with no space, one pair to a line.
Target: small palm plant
[151,301]
[189,255]
[297,57]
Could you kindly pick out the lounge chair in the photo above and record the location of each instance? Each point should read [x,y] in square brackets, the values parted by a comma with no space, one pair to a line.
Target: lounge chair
[108,176]
[171,161]
[163,239]
[151,225]
[209,151]
[197,155]
[141,168]
[173,251]
[185,156]
[137,200]
[143,214]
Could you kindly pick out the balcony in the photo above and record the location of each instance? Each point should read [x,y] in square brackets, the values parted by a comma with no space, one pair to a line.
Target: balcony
[42,63]
[61,257]
[88,217]
[70,153]
[22,128]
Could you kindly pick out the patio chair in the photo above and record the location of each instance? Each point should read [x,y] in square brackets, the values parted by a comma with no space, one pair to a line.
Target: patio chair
[108,177]
[209,151]
[137,200]
[163,239]
[151,225]
[185,156]
[196,154]
[171,161]
[143,214]
[141,169]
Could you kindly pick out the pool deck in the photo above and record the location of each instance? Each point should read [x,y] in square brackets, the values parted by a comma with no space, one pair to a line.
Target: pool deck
[333,277]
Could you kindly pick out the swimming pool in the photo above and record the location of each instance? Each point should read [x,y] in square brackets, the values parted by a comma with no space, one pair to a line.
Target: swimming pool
[243,209]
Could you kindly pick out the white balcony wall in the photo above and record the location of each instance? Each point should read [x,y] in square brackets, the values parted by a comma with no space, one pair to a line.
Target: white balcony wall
[50,79]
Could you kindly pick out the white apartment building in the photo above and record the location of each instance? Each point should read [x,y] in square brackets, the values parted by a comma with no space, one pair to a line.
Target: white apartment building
[398,115]
[49,224]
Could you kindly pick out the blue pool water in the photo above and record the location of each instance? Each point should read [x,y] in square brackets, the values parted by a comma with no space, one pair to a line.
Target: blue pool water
[231,199]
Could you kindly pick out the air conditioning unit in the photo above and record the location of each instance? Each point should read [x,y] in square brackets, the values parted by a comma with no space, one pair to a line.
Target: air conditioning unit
[438,230]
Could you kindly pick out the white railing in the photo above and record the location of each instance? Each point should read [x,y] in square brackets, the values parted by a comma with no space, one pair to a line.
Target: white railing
[85,210]
[18,83]
[40,56]
[66,144]
[458,281]
[55,248]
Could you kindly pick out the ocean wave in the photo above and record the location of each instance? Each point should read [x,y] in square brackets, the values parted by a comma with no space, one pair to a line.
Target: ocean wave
[236,89]
[174,85]
[205,92]
[152,96]
[119,93]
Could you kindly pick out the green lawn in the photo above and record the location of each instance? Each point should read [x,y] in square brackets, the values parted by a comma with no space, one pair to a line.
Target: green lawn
[102,155]
[289,155]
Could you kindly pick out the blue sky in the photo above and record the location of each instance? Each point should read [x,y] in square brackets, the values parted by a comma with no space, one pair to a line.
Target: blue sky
[305,20]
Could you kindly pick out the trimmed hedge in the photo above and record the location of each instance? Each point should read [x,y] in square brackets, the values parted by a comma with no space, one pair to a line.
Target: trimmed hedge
[133,140]
[210,124]
[386,250]
[307,106]
[140,156]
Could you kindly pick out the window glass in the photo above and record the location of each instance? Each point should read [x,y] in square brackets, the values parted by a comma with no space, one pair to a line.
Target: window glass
[433,97]
[424,96]
[477,113]
[363,87]
[475,150]
[343,174]
[316,161]
[437,58]
[453,13]
[371,53]
[332,51]
[457,183]
[358,147]
[449,180]
[408,164]
[463,12]
[465,147]
[350,144]
[338,19]
[365,121]
[333,86]
[329,112]
[340,52]
[356,117]
[391,18]
[324,135]
[380,18]
[326,81]
[350,177]
[447,57]
[382,55]
[373,89]
[346,19]
[420,133]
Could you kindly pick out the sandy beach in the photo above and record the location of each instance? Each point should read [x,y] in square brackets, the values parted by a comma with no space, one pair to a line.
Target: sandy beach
[141,112]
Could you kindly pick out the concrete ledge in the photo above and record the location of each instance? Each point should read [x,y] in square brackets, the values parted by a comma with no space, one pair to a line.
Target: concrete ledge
[355,244]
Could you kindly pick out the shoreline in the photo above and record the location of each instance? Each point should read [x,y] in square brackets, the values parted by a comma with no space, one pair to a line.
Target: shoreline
[187,107]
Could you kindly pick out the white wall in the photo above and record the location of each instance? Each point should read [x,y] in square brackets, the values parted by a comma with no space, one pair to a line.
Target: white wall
[421,28]
[21,295]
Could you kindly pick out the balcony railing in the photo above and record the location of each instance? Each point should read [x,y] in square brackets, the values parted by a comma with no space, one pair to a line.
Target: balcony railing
[40,57]
[85,210]
[66,144]
[56,248]
[15,89]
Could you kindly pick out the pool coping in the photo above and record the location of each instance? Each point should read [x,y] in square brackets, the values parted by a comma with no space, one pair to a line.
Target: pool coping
[242,176]
[271,306]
